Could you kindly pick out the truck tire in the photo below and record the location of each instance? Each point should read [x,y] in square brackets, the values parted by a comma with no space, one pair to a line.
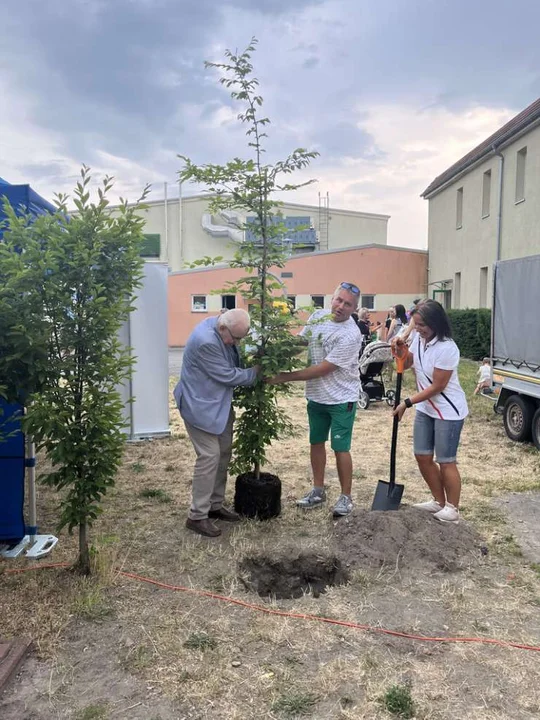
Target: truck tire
[535,427]
[517,418]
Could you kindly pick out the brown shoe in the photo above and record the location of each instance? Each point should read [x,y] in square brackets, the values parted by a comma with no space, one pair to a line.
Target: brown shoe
[203,527]
[224,513]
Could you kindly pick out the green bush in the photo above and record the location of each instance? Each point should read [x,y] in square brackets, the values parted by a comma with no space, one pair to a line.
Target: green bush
[472,332]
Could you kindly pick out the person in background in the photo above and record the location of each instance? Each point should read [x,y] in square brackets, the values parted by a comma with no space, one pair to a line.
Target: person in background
[210,372]
[407,334]
[332,389]
[391,315]
[441,407]
[484,376]
[410,310]
[364,327]
[398,323]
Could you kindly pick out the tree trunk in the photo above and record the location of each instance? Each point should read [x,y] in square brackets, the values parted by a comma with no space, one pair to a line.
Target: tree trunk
[83,561]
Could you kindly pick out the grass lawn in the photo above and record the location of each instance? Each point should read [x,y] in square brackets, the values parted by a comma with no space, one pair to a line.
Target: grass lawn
[115,647]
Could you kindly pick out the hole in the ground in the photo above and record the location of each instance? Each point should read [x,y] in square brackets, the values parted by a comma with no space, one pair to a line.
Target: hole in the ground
[293,575]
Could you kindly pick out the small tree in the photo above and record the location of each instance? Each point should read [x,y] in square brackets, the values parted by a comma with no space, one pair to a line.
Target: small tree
[23,327]
[90,266]
[250,186]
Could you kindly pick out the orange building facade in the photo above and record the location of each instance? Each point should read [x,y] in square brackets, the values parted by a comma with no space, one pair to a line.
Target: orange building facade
[385,275]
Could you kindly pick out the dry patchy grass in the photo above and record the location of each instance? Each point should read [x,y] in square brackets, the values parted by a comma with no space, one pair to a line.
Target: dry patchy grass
[211,659]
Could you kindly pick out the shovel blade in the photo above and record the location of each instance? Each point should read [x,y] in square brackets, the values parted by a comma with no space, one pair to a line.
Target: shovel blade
[386,497]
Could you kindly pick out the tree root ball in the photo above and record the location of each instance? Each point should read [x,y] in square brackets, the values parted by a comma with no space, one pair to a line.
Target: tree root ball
[258,497]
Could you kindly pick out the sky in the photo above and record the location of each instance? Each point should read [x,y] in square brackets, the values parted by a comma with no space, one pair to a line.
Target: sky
[389,92]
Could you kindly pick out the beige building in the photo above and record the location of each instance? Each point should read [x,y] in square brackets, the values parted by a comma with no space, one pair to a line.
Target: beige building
[486,207]
[180,231]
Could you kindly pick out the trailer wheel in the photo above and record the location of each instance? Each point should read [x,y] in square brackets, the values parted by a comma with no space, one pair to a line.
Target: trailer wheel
[517,418]
[363,400]
[535,428]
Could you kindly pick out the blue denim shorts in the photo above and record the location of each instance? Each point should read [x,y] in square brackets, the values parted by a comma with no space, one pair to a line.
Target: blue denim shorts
[435,436]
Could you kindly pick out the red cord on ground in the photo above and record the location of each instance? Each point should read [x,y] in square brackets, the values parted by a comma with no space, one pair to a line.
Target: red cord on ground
[299,616]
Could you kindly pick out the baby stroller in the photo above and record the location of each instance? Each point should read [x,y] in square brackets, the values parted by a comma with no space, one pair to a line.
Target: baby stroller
[372,361]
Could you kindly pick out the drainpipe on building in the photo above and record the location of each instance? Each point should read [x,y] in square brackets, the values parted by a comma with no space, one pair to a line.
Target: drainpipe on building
[180,238]
[499,211]
[498,253]
[165,209]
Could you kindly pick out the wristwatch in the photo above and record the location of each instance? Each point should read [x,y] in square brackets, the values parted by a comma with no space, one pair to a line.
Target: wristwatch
[408,402]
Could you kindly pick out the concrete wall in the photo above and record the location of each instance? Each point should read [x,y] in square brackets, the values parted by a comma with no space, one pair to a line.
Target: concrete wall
[390,274]
[468,250]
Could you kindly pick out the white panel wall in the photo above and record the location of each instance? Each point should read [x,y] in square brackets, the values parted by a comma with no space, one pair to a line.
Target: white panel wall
[146,333]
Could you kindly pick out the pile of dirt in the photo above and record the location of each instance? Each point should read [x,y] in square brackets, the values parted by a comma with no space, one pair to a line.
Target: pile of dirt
[408,539]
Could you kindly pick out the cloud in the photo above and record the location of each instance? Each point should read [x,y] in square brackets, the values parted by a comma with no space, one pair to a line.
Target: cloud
[415,146]
[390,93]
[311,62]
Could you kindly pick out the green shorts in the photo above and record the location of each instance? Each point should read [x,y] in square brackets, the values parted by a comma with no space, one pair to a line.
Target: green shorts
[338,419]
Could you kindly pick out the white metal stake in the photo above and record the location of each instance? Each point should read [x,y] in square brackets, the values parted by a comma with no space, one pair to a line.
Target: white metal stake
[40,545]
[31,476]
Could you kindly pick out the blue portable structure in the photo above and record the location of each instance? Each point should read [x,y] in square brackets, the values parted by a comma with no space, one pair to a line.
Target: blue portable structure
[15,536]
[23,199]
[12,469]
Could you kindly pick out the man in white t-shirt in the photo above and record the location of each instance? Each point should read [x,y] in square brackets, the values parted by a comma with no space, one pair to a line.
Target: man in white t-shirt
[332,389]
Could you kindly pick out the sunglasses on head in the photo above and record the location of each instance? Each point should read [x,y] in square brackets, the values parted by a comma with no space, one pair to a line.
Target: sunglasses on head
[352,288]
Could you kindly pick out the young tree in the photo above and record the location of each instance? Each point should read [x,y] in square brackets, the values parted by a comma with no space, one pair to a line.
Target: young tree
[250,186]
[23,327]
[89,265]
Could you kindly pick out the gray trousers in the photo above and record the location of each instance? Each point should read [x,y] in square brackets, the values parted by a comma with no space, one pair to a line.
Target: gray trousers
[210,472]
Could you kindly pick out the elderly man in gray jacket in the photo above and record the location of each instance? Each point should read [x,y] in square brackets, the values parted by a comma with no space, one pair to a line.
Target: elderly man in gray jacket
[210,372]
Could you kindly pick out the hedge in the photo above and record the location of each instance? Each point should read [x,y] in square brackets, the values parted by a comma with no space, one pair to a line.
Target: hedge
[471,330]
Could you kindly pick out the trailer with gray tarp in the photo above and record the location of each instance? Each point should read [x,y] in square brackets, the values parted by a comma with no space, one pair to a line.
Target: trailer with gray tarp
[515,345]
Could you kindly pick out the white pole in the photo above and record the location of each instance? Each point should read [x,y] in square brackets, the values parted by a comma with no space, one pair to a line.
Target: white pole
[166,222]
[30,462]
[180,248]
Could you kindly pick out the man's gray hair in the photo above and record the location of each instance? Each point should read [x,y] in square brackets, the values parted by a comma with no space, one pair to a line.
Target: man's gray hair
[355,296]
[237,318]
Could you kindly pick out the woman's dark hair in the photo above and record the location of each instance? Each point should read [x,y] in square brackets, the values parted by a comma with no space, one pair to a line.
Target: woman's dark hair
[401,313]
[435,317]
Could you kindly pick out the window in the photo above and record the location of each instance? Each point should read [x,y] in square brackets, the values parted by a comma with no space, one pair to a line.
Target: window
[444,297]
[486,193]
[483,287]
[368,302]
[457,290]
[228,302]
[318,301]
[286,274]
[521,162]
[459,209]
[291,299]
[150,246]
[198,303]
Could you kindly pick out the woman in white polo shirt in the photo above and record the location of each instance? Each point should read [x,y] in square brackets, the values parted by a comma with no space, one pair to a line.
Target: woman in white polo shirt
[441,407]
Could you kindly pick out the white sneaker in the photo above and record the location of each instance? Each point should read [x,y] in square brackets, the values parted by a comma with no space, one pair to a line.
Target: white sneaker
[431,506]
[449,514]
[315,498]
[343,506]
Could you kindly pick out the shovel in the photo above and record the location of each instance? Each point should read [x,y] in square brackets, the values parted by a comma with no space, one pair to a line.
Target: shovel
[388,495]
